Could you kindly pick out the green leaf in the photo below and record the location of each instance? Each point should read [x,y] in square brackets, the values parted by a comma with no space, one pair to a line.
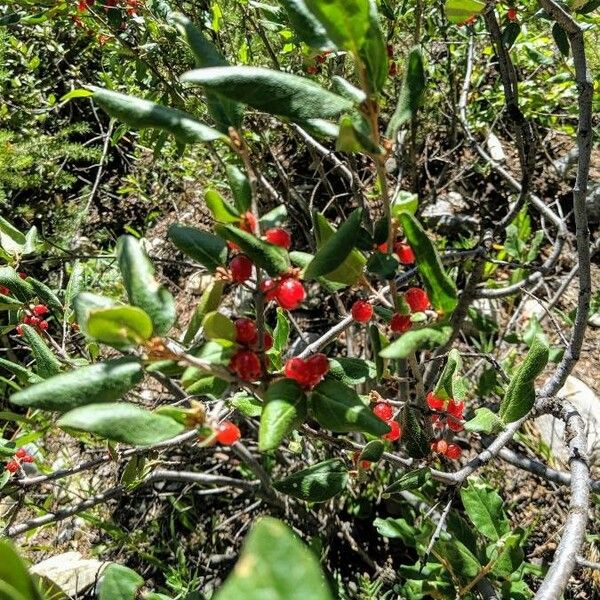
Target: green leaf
[142,288]
[274,218]
[374,51]
[485,421]
[411,94]
[404,202]
[338,407]
[11,239]
[74,287]
[285,409]
[383,265]
[335,249]
[15,576]
[352,371]
[45,294]
[306,26]
[561,38]
[345,21]
[121,422]
[440,287]
[209,302]
[102,382]
[463,562]
[395,528]
[344,88]
[273,259]
[415,439]
[240,188]
[510,34]
[484,507]
[226,113]
[506,554]
[275,565]
[201,385]
[119,326]
[378,342]
[281,333]
[20,288]
[317,483]
[417,339]
[218,327]
[46,363]
[119,583]
[222,211]
[248,405]
[373,451]
[459,11]
[23,374]
[142,114]
[273,92]
[450,383]
[84,303]
[410,481]
[520,395]
[201,246]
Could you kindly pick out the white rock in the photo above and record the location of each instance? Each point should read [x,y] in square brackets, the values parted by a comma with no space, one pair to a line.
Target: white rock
[494,147]
[71,572]
[587,403]
[595,320]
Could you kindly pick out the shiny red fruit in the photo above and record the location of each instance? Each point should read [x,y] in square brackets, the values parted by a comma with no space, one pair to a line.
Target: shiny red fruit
[395,432]
[453,451]
[269,288]
[21,453]
[12,466]
[248,222]
[279,237]
[439,446]
[405,253]
[417,299]
[4,291]
[383,248]
[437,422]
[434,402]
[318,365]
[295,368]
[40,310]
[228,433]
[384,411]
[309,372]
[456,408]
[245,331]
[27,459]
[454,424]
[19,330]
[400,323]
[267,340]
[290,293]
[246,365]
[43,325]
[362,311]
[512,14]
[241,268]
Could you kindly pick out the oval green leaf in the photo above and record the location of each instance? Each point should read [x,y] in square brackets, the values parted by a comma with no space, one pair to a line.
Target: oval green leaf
[317,483]
[203,247]
[119,326]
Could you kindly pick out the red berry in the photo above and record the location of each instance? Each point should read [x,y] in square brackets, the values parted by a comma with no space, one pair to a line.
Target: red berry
[384,411]
[440,446]
[434,402]
[383,248]
[33,321]
[19,330]
[279,237]
[21,453]
[312,70]
[28,459]
[23,275]
[12,466]
[395,432]
[453,451]
[246,365]
[248,222]
[400,323]
[405,253]
[43,325]
[307,372]
[417,299]
[241,268]
[295,368]
[27,319]
[40,310]
[4,291]
[318,366]
[512,14]
[245,331]
[228,433]
[269,288]
[362,311]
[393,69]
[390,51]
[437,422]
[454,424]
[456,408]
[290,293]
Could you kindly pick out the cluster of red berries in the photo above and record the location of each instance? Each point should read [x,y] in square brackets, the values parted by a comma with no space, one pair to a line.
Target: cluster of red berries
[34,317]
[228,433]
[402,250]
[385,412]
[307,372]
[20,456]
[449,413]
[245,363]
[319,60]
[416,298]
[287,291]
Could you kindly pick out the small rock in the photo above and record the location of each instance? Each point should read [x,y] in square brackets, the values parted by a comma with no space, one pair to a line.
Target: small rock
[595,320]
[71,572]
[584,399]
[494,147]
